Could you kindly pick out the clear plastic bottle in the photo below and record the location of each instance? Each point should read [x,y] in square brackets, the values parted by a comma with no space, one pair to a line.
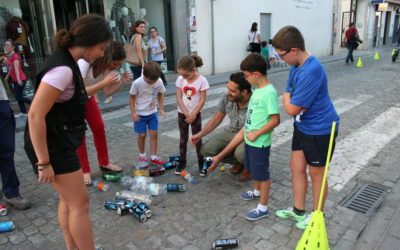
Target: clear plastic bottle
[138,197]
[187,176]
[149,188]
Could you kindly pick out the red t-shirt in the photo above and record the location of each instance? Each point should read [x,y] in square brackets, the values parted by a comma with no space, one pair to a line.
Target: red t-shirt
[11,67]
[352,30]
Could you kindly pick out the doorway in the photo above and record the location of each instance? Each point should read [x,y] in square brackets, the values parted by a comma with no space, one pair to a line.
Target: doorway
[265,26]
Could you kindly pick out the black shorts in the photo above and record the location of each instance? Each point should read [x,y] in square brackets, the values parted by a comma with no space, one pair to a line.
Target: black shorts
[63,162]
[315,147]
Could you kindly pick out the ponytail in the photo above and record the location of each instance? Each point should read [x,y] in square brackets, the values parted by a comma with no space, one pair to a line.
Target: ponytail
[188,63]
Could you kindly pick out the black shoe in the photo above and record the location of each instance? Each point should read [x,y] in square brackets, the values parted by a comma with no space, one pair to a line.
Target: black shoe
[181,166]
[202,170]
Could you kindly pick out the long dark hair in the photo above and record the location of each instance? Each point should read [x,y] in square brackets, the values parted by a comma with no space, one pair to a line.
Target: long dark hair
[86,31]
[113,52]
[137,23]
[254,27]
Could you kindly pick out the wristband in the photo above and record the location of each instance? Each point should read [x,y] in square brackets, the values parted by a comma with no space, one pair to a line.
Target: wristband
[41,167]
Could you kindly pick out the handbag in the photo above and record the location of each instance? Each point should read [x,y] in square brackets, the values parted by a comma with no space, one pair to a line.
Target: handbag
[131,52]
[251,45]
[164,53]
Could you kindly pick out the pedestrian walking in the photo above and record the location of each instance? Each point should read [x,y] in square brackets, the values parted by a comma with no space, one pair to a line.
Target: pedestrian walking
[137,40]
[352,42]
[9,178]
[191,91]
[145,92]
[157,49]
[17,76]
[254,37]
[103,69]
[306,98]
[56,123]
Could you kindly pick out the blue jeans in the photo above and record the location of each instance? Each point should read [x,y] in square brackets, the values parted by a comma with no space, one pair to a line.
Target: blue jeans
[350,54]
[19,95]
[9,176]
[136,71]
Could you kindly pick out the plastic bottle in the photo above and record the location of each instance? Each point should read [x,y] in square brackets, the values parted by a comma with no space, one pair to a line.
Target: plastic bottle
[156,171]
[149,188]
[128,180]
[141,172]
[138,197]
[187,176]
[101,185]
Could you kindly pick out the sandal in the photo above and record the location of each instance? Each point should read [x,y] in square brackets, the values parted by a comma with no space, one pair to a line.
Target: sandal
[111,167]
[87,179]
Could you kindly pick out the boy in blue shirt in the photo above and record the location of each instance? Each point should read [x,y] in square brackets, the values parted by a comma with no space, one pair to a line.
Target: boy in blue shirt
[306,98]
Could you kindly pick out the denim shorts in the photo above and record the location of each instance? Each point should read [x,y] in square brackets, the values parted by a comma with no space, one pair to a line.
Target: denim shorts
[257,162]
[146,121]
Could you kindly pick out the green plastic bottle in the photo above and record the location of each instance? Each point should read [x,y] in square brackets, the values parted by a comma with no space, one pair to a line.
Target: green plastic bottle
[114,177]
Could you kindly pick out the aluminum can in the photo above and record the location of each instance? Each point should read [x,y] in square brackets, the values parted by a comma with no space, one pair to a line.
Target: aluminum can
[225,244]
[112,205]
[145,209]
[3,210]
[114,177]
[139,216]
[175,187]
[6,226]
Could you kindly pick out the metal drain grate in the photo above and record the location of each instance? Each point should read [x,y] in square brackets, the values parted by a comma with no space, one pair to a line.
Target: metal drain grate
[366,198]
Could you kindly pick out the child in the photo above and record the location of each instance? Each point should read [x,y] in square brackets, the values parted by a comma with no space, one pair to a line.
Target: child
[265,53]
[144,93]
[271,52]
[191,88]
[262,117]
[306,99]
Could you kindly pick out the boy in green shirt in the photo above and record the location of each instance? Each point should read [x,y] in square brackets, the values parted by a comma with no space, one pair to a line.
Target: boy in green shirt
[262,117]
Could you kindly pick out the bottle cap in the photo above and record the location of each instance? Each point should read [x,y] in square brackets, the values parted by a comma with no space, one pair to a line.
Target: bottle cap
[184,172]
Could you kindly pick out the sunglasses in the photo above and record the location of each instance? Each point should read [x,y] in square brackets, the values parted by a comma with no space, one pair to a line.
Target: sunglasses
[284,54]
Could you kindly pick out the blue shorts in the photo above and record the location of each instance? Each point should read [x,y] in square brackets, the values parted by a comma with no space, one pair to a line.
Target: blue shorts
[146,121]
[257,162]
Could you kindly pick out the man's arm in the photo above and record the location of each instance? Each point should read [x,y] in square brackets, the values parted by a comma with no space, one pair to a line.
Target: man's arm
[214,122]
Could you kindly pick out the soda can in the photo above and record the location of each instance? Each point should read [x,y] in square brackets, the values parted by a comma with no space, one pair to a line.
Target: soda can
[175,187]
[145,209]
[169,165]
[157,171]
[3,210]
[139,216]
[225,244]
[122,210]
[174,158]
[6,226]
[114,177]
[112,205]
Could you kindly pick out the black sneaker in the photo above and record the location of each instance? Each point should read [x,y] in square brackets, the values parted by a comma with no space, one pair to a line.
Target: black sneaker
[181,166]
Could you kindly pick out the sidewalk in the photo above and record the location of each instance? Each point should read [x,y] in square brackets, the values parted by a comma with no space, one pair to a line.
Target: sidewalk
[121,98]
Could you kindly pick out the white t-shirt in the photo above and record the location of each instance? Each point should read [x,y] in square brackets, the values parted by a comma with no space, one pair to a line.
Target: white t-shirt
[155,46]
[251,36]
[146,95]
[271,51]
[87,72]
[191,91]
[61,78]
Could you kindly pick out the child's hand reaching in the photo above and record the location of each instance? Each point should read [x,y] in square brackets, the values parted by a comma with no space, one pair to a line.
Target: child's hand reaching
[126,77]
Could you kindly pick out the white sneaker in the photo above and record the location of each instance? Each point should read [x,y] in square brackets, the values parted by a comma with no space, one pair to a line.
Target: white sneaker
[108,100]
[16,115]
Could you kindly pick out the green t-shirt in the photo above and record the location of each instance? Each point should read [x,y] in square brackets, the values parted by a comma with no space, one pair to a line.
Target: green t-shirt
[263,103]
[264,52]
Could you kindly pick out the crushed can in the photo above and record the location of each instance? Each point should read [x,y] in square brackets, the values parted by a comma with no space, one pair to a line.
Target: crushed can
[113,205]
[225,244]
[3,210]
[145,209]
[175,187]
[139,216]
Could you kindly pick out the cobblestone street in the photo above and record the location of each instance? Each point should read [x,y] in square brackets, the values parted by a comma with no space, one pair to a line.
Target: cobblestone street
[367,100]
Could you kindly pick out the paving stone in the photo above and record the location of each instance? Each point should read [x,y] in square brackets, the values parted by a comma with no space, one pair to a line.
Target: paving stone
[344,245]
[56,236]
[190,247]
[48,228]
[279,239]
[281,229]
[39,222]
[263,232]
[17,237]
[22,223]
[351,235]
[30,230]
[177,240]
[3,239]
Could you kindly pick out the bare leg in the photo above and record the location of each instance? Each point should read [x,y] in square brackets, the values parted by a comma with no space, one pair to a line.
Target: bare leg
[63,220]
[317,174]
[264,187]
[298,166]
[73,192]
[141,142]
[153,141]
